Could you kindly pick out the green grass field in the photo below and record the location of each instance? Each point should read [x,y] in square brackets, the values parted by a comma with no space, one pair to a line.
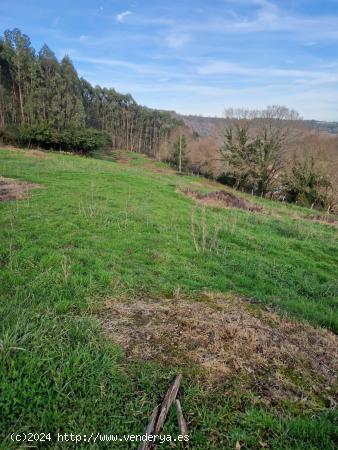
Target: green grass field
[101,229]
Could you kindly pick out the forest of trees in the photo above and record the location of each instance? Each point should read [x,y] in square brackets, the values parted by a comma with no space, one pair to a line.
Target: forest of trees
[44,102]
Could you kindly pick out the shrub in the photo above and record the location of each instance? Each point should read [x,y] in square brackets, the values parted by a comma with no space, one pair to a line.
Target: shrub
[306,186]
[80,140]
[10,135]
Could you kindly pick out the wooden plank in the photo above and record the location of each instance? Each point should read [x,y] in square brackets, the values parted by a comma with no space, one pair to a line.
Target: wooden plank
[181,422]
[160,413]
[166,403]
[146,445]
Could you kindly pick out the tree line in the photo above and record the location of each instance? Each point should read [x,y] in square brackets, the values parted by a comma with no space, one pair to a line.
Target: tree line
[254,149]
[257,156]
[44,102]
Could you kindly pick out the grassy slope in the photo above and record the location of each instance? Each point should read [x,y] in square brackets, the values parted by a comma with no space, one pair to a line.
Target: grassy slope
[104,229]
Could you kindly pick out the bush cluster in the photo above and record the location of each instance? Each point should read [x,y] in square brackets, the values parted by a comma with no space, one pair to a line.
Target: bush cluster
[307,186]
[79,140]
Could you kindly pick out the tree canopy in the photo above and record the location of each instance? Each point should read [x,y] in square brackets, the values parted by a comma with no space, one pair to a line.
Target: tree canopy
[40,92]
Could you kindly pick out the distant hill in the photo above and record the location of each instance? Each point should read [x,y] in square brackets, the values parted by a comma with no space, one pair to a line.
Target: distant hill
[329,127]
[203,126]
[214,126]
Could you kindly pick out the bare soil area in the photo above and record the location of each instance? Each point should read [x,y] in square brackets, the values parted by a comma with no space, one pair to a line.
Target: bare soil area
[222,199]
[11,189]
[325,219]
[226,338]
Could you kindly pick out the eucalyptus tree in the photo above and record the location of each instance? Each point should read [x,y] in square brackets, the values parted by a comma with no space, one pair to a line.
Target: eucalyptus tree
[20,56]
[72,108]
[36,90]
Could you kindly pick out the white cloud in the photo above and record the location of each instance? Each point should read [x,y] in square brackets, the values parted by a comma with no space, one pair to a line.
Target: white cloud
[177,40]
[224,68]
[141,69]
[120,17]
[56,22]
[302,79]
[268,17]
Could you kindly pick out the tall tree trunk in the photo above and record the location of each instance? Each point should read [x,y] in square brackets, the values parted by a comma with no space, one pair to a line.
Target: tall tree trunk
[21,104]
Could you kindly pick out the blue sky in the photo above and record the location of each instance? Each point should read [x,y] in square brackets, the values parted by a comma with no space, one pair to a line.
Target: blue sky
[195,56]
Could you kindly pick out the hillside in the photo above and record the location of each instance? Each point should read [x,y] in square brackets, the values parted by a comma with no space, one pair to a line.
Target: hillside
[117,273]
[214,126]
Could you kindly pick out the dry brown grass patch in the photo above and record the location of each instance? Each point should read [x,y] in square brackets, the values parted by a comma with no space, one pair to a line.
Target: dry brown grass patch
[11,189]
[30,153]
[222,199]
[36,154]
[325,219]
[226,338]
[161,170]
[119,156]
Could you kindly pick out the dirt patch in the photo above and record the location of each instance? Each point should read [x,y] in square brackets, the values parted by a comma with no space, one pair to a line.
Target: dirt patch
[161,170]
[222,199]
[121,157]
[324,218]
[30,153]
[226,338]
[11,189]
[36,154]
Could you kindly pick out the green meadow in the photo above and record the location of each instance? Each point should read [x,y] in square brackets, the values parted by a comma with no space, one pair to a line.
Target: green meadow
[99,229]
